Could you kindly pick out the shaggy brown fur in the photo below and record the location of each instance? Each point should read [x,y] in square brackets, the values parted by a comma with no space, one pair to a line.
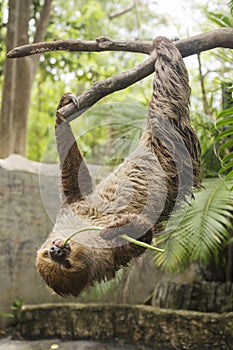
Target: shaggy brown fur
[135,199]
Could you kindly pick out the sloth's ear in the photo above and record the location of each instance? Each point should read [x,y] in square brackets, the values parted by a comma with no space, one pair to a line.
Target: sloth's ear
[76,181]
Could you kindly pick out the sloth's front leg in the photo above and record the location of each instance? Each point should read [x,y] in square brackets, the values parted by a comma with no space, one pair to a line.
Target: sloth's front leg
[75,177]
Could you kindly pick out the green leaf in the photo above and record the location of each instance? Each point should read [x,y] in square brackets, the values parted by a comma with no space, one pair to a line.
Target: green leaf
[225,146]
[226,166]
[203,230]
[175,255]
[226,120]
[229,175]
[225,133]
[225,113]
[220,19]
[225,152]
[227,158]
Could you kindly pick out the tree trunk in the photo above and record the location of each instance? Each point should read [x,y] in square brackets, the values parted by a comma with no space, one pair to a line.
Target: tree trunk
[19,76]
[23,83]
[7,109]
[206,107]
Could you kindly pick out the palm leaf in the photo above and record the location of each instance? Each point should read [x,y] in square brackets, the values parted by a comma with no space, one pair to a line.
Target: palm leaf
[104,288]
[175,255]
[225,117]
[203,230]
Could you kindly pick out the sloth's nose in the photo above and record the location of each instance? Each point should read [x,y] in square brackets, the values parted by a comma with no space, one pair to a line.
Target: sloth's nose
[57,254]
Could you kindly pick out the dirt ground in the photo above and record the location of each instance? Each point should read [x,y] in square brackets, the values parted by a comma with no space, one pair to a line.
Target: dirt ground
[9,344]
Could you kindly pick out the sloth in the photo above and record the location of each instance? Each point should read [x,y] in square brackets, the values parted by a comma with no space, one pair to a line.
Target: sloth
[136,199]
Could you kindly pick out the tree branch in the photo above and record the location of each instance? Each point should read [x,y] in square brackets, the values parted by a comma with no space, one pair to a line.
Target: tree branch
[217,38]
[121,12]
[100,44]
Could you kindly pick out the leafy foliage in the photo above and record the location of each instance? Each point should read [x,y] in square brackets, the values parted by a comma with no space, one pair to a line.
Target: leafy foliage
[230,4]
[225,152]
[221,20]
[206,131]
[104,288]
[60,72]
[203,231]
[224,125]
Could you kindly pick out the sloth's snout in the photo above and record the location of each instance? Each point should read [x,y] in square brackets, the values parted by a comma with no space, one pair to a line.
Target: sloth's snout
[58,253]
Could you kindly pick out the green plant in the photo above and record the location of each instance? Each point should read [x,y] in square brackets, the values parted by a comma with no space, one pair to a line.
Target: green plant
[105,288]
[16,309]
[17,305]
[203,233]
[224,125]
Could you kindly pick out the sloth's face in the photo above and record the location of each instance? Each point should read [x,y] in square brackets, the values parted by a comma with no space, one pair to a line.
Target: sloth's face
[65,269]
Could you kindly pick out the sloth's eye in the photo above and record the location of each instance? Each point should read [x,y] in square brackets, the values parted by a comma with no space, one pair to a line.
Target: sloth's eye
[46,254]
[67,264]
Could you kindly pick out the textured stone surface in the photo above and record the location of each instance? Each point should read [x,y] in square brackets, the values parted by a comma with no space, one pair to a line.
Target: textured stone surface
[199,296]
[24,225]
[136,325]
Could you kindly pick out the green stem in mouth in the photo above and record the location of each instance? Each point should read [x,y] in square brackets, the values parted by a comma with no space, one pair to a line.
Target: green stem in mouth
[141,244]
[92,228]
[127,238]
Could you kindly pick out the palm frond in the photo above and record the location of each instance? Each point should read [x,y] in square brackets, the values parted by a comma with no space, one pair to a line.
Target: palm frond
[104,288]
[203,230]
[175,255]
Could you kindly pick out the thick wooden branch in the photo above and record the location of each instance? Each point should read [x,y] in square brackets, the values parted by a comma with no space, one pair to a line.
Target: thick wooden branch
[217,38]
[206,41]
[99,44]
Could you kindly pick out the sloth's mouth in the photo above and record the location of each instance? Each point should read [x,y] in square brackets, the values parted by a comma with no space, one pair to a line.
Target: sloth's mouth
[60,253]
[58,242]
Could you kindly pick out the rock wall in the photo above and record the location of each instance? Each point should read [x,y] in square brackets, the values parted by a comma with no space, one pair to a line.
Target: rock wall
[199,296]
[24,223]
[146,325]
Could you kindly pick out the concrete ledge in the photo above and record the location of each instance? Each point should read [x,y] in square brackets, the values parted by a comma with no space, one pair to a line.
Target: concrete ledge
[147,325]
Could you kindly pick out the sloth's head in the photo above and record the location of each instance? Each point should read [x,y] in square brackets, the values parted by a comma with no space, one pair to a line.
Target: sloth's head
[65,269]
